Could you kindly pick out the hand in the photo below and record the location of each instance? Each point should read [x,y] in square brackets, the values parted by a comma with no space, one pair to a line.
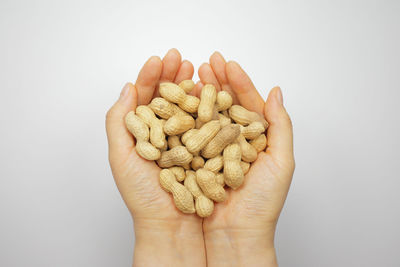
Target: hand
[158,224]
[242,228]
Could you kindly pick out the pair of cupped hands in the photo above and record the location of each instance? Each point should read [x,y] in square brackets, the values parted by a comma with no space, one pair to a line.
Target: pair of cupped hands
[241,230]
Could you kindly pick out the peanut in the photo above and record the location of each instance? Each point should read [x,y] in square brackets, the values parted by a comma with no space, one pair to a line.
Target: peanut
[187,85]
[227,135]
[197,163]
[174,141]
[178,156]
[224,101]
[178,124]
[207,101]
[157,136]
[187,166]
[233,172]
[140,130]
[212,190]
[260,143]
[204,206]
[223,120]
[220,179]
[165,109]
[201,138]
[182,197]
[215,116]
[214,164]
[164,148]
[226,113]
[245,166]
[188,135]
[253,130]
[199,123]
[179,173]
[175,94]
[243,116]
[197,129]
[249,153]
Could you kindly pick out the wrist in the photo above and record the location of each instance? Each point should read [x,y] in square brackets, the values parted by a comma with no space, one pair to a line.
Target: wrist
[240,247]
[159,243]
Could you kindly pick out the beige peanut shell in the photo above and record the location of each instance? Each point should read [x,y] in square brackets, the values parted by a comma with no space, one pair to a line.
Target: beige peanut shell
[245,166]
[140,131]
[208,96]
[179,173]
[207,183]
[214,164]
[187,85]
[203,205]
[220,179]
[201,144]
[223,120]
[188,135]
[233,172]
[147,151]
[260,143]
[197,163]
[136,126]
[224,101]
[182,197]
[174,141]
[244,117]
[178,124]
[253,130]
[175,94]
[224,137]
[178,156]
[201,138]
[249,153]
[164,108]
[157,136]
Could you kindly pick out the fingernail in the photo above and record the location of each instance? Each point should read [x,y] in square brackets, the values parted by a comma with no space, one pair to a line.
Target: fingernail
[279,95]
[124,91]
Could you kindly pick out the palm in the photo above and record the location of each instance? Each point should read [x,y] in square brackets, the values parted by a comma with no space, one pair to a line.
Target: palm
[141,191]
[259,198]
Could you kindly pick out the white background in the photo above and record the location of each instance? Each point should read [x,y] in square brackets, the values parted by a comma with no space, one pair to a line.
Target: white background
[62,65]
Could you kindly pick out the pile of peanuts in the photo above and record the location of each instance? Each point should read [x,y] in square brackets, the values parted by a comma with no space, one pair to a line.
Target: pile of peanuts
[201,145]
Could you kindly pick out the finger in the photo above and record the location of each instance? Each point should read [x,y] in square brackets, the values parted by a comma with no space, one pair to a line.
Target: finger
[171,64]
[244,88]
[279,132]
[207,76]
[185,72]
[120,140]
[197,89]
[147,79]
[218,63]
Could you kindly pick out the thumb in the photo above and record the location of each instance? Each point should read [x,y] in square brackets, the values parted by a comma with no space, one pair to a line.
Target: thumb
[119,138]
[280,132]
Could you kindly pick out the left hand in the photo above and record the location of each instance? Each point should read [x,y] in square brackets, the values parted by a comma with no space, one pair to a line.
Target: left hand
[158,224]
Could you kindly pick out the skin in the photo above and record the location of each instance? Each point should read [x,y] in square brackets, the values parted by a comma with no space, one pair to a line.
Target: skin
[241,230]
